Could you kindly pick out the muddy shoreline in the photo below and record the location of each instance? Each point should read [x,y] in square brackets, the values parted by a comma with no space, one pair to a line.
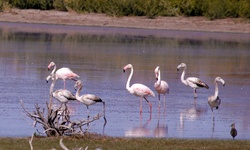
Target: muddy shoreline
[228,25]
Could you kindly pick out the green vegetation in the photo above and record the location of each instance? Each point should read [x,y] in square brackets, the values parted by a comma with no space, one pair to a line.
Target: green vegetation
[213,9]
[110,143]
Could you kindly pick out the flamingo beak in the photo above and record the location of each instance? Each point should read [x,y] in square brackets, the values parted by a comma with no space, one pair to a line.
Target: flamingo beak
[123,70]
[156,79]
[48,69]
[47,79]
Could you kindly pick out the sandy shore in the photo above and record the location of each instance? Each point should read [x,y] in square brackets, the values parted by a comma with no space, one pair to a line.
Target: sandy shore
[230,25]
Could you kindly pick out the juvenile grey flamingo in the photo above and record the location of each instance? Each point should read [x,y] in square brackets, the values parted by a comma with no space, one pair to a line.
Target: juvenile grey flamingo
[214,101]
[192,82]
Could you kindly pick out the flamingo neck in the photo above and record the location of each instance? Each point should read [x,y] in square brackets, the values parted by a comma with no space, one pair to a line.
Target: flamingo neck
[78,92]
[54,69]
[129,78]
[182,76]
[52,84]
[216,90]
[159,78]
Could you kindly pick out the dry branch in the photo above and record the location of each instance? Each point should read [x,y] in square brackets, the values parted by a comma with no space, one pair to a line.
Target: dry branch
[58,121]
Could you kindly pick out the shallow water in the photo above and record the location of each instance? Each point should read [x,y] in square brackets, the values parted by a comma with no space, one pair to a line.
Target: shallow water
[98,56]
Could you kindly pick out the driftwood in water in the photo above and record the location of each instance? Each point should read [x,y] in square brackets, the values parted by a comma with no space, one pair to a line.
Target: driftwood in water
[57,122]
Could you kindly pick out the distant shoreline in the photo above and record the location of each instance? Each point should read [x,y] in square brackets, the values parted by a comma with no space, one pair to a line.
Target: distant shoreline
[228,25]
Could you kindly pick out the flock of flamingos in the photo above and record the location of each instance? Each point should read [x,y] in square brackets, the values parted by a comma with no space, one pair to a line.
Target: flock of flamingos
[137,89]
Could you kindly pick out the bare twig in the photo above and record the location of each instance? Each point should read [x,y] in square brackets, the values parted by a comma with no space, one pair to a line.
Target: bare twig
[58,121]
[62,145]
[30,141]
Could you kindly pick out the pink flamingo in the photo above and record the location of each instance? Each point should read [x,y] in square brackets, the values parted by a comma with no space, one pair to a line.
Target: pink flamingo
[160,86]
[63,73]
[137,89]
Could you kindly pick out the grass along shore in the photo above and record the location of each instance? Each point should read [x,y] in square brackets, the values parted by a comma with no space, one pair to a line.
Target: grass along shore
[94,141]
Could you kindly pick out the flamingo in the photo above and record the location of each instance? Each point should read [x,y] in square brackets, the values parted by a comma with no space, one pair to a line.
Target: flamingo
[160,86]
[192,82]
[63,96]
[137,89]
[214,101]
[63,73]
[86,99]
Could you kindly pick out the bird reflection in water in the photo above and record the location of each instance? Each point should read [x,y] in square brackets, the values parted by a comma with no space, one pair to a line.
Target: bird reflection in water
[161,131]
[190,114]
[141,131]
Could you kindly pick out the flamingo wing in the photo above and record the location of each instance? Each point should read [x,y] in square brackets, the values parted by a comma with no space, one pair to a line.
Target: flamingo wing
[163,88]
[67,94]
[197,82]
[89,99]
[141,90]
[66,73]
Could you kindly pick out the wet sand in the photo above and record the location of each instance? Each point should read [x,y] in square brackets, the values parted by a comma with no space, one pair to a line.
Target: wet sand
[228,25]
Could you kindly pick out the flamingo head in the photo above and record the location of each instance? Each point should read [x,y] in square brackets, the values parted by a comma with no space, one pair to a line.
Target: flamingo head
[157,72]
[51,76]
[219,79]
[127,66]
[182,65]
[50,65]
[78,84]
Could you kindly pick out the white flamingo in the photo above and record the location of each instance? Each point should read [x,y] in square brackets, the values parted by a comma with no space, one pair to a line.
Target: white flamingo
[137,89]
[160,86]
[63,96]
[63,73]
[214,101]
[192,82]
[86,99]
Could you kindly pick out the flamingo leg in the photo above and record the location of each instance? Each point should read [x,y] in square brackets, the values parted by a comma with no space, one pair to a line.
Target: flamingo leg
[159,104]
[149,104]
[195,95]
[64,84]
[159,95]
[141,106]
[212,112]
[164,104]
[88,110]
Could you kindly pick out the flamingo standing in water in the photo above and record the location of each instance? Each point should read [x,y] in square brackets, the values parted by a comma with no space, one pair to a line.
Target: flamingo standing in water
[63,73]
[86,99]
[192,82]
[214,101]
[160,86]
[63,96]
[137,89]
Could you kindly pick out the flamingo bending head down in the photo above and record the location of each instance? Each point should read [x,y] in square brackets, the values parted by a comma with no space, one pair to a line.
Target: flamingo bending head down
[63,73]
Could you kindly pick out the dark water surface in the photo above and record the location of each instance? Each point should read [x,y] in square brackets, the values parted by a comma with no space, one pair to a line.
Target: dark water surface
[98,56]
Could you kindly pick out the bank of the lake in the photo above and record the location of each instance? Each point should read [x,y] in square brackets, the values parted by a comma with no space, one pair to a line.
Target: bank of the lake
[229,25]
[110,143]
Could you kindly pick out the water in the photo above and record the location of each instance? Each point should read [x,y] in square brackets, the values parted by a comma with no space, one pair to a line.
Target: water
[98,56]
